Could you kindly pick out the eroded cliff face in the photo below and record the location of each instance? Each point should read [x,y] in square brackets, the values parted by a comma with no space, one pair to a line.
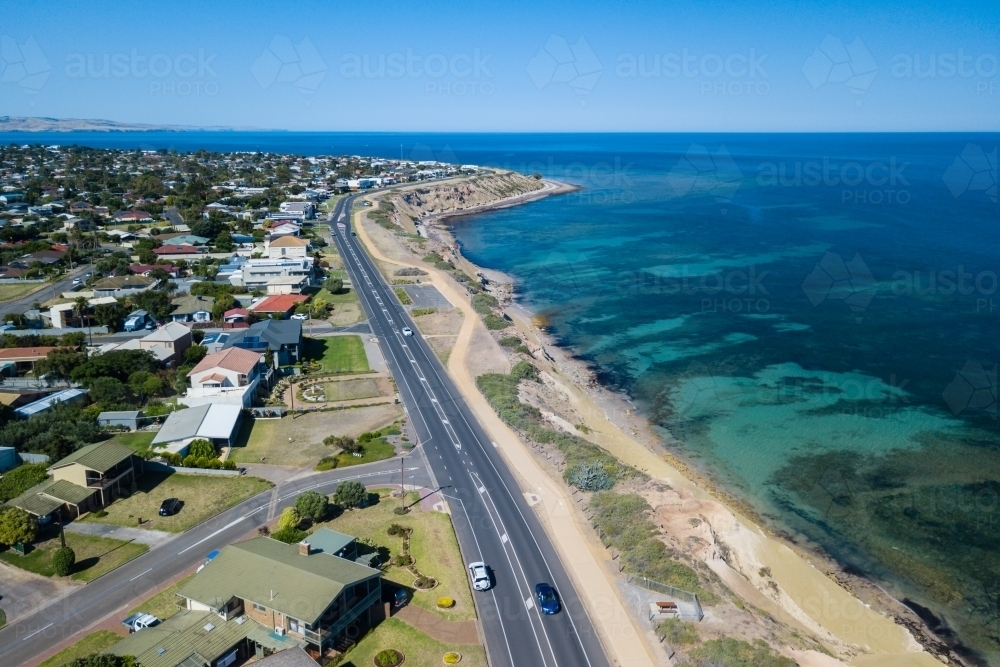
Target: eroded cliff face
[484,190]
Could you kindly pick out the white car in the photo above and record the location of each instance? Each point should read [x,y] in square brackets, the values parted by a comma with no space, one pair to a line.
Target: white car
[480,576]
[300,316]
[407,331]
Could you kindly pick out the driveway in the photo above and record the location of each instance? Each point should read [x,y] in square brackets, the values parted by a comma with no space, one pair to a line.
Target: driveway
[151,537]
[23,593]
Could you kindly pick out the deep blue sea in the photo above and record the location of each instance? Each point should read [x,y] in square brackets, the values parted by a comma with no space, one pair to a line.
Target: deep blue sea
[813,319]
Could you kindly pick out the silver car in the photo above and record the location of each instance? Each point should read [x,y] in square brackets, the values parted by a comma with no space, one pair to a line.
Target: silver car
[480,576]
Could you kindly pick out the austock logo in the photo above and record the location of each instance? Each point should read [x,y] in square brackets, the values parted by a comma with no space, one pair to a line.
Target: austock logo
[700,171]
[835,62]
[23,64]
[282,62]
[559,62]
[973,388]
[834,279]
[974,170]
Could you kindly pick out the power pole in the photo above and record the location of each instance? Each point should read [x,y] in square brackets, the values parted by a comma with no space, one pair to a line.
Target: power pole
[402,493]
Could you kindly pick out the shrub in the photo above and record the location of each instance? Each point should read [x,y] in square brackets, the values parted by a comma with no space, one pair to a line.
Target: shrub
[494,323]
[16,525]
[417,312]
[400,510]
[593,476]
[388,658]
[289,535]
[402,560]
[510,341]
[63,561]
[396,530]
[403,297]
[312,505]
[678,633]
[201,448]
[452,658]
[290,518]
[729,652]
[424,582]
[445,602]
[100,514]
[351,494]
[484,304]
[326,463]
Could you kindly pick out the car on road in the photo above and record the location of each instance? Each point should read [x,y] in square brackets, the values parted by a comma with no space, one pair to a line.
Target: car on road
[407,331]
[480,576]
[299,316]
[548,601]
[77,281]
[170,506]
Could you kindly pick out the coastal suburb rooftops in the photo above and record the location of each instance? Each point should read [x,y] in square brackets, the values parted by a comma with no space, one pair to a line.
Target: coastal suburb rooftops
[232,359]
[270,572]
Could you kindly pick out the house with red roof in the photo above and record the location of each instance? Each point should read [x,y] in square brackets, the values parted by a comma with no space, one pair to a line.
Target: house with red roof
[133,216]
[278,304]
[230,376]
[171,249]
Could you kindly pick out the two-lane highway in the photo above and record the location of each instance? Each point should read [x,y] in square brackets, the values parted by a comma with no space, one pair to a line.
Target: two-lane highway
[492,519]
[36,632]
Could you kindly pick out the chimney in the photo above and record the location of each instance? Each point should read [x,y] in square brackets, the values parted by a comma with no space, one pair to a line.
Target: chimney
[303,548]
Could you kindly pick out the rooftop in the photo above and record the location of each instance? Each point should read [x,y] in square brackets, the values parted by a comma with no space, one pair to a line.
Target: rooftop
[168,333]
[101,457]
[44,404]
[276,575]
[214,420]
[232,359]
[185,634]
[289,242]
[278,303]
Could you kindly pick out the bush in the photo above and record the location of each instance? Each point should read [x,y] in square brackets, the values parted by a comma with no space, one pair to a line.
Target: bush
[100,514]
[679,633]
[351,494]
[20,479]
[326,463]
[290,518]
[417,312]
[289,535]
[400,510]
[494,323]
[729,652]
[484,304]
[16,525]
[396,530]
[593,476]
[452,658]
[63,561]
[445,602]
[402,560]
[424,582]
[510,341]
[388,658]
[403,297]
[201,448]
[312,505]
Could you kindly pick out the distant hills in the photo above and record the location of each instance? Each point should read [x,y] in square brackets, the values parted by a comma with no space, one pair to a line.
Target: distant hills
[41,124]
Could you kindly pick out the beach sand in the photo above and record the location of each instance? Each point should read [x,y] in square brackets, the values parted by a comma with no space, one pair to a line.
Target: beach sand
[733,545]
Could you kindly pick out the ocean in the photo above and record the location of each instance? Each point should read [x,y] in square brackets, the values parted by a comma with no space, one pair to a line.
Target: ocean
[812,320]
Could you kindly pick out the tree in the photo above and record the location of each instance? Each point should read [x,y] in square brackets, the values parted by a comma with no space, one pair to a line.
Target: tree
[106,390]
[144,383]
[333,285]
[80,305]
[312,505]
[104,660]
[195,353]
[63,560]
[351,494]
[61,361]
[155,302]
[290,518]
[119,364]
[16,525]
[202,448]
[224,241]
[319,309]
[109,315]
[223,302]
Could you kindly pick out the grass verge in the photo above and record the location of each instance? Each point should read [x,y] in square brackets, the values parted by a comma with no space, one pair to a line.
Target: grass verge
[95,642]
[140,441]
[203,496]
[94,555]
[419,649]
[337,354]
[162,605]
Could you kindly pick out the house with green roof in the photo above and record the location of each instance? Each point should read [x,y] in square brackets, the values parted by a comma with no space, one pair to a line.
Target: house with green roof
[292,591]
[88,479]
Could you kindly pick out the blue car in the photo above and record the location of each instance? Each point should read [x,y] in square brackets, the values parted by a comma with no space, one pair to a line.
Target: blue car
[548,601]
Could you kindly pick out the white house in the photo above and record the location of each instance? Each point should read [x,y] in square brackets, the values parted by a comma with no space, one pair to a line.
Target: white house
[257,272]
[287,246]
[229,377]
[216,422]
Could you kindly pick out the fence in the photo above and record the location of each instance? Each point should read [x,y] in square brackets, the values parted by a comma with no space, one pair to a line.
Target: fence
[268,413]
[156,466]
[670,591]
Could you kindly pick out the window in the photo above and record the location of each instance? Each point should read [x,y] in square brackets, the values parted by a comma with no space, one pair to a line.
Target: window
[259,607]
[298,627]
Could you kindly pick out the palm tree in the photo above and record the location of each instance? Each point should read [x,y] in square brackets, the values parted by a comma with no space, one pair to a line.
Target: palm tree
[80,305]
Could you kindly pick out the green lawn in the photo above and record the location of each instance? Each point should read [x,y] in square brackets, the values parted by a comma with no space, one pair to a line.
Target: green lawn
[94,555]
[11,291]
[348,390]
[203,496]
[419,649]
[92,643]
[432,544]
[140,441]
[338,354]
[162,605]
[375,450]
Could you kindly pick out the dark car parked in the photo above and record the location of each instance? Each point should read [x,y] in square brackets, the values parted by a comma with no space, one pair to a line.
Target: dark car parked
[170,506]
[548,601]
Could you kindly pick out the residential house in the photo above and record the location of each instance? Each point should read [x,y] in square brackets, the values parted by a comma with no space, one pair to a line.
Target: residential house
[287,285]
[43,404]
[193,308]
[288,590]
[231,376]
[236,316]
[119,286]
[79,224]
[256,272]
[284,229]
[172,249]
[306,208]
[180,238]
[279,305]
[45,257]
[88,479]
[132,217]
[218,423]
[147,269]
[130,419]
[138,320]
[173,338]
[287,247]
[23,358]
[282,337]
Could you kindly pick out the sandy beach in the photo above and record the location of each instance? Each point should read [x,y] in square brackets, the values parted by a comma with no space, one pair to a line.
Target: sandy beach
[854,619]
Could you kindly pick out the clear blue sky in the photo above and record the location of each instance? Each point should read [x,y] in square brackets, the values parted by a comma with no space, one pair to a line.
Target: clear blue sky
[513,66]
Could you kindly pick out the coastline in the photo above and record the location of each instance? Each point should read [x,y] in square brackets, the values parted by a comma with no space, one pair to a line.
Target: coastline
[617,409]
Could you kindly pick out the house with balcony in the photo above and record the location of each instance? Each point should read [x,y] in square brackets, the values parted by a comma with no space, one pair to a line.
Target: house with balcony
[231,376]
[290,595]
[255,273]
[287,247]
[88,479]
[282,337]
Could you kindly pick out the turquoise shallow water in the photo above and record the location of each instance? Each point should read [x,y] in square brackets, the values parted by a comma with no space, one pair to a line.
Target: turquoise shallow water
[813,317]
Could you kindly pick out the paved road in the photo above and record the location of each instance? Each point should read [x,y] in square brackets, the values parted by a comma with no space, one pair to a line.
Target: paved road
[37,631]
[492,519]
[44,294]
